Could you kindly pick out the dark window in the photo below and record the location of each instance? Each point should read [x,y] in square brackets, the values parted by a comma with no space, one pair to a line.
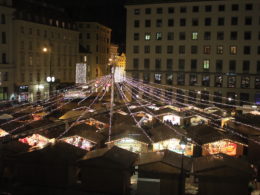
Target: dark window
[195,8]
[207,35]
[218,80]
[231,82]
[170,22]
[147,23]
[3,38]
[206,49]
[146,63]
[180,79]
[159,23]
[193,65]
[220,35]
[258,67]
[192,96]
[234,20]
[217,97]
[3,19]
[205,80]
[231,97]
[194,49]
[181,64]
[5,76]
[157,64]
[147,10]
[137,11]
[136,49]
[232,66]
[169,49]
[244,98]
[170,36]
[221,21]
[171,10]
[208,8]
[221,8]
[136,36]
[182,36]
[195,22]
[193,79]
[182,22]
[158,49]
[245,81]
[146,49]
[204,96]
[146,77]
[247,35]
[249,6]
[257,82]
[246,66]
[136,23]
[247,50]
[248,20]
[219,65]
[181,49]
[207,22]
[169,64]
[233,35]
[183,9]
[4,61]
[159,10]
[235,7]
[179,96]
[258,49]
[136,63]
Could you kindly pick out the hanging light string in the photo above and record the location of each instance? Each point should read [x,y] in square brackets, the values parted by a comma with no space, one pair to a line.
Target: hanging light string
[36,101]
[170,127]
[125,99]
[30,122]
[182,95]
[216,125]
[102,84]
[196,91]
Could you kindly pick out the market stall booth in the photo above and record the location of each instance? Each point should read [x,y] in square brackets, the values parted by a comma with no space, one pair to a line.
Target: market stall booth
[80,142]
[159,172]
[107,170]
[222,174]
[51,166]
[168,138]
[131,138]
[36,141]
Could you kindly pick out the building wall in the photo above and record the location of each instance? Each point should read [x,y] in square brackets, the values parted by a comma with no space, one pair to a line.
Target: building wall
[95,38]
[6,47]
[211,57]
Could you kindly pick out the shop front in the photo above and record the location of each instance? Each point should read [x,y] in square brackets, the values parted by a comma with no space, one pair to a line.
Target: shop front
[23,93]
[174,146]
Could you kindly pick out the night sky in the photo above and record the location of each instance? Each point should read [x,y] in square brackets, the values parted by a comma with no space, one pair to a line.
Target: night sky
[110,13]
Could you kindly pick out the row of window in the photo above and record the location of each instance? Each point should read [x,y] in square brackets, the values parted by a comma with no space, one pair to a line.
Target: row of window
[38,77]
[231,81]
[219,65]
[88,36]
[192,96]
[196,9]
[207,35]
[206,49]
[220,21]
[103,29]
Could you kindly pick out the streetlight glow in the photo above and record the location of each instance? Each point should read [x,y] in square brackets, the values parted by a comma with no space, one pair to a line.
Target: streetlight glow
[45,49]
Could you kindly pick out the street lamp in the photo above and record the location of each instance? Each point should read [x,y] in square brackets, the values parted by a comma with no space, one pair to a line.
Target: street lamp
[50,79]
[183,143]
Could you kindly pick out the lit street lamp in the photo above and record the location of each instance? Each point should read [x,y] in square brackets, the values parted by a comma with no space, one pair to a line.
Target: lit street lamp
[50,79]
[183,143]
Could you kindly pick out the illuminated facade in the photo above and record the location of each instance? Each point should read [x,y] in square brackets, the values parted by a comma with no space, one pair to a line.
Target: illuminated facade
[204,48]
[95,39]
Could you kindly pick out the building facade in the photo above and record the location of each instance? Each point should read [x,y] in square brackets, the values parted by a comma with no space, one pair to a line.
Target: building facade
[6,50]
[204,49]
[95,38]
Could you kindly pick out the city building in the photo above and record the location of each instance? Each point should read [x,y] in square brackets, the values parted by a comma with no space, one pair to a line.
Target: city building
[95,38]
[46,45]
[6,50]
[207,49]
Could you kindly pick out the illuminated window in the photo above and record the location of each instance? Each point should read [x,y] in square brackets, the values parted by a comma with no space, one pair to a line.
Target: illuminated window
[147,36]
[205,64]
[245,82]
[194,36]
[220,49]
[233,50]
[205,80]
[257,82]
[193,79]
[157,78]
[158,36]
[218,80]
[169,79]
[231,82]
